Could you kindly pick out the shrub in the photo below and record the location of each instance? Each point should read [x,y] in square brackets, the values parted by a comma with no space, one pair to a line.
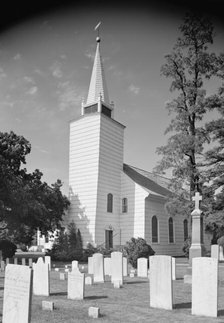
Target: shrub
[8,248]
[221,241]
[186,247]
[137,248]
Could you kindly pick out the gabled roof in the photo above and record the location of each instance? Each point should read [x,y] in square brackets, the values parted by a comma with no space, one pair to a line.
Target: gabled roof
[150,181]
[98,85]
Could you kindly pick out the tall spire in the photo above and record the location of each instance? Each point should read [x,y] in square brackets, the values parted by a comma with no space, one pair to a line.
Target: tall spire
[97,87]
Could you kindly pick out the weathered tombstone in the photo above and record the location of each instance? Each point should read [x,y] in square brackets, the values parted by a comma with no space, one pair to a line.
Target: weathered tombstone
[117,267]
[47,260]
[62,276]
[23,261]
[142,267]
[173,268]
[47,305]
[94,312]
[30,262]
[2,265]
[117,283]
[7,261]
[41,282]
[107,266]
[132,273]
[90,265]
[205,286]
[17,294]
[75,264]
[15,261]
[88,280]
[56,269]
[76,285]
[215,251]
[221,256]
[98,268]
[125,266]
[160,280]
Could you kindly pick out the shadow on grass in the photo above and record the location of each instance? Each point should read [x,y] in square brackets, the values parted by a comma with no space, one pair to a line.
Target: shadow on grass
[182,305]
[137,282]
[220,312]
[58,293]
[95,297]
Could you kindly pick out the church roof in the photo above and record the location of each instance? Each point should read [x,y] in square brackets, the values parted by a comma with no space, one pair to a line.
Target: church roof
[150,181]
[98,85]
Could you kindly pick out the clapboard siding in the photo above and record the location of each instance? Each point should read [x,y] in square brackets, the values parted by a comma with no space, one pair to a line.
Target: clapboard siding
[109,180]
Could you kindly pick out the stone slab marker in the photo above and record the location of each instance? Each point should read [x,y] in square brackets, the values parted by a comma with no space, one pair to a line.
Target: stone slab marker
[205,286]
[88,280]
[15,261]
[98,268]
[160,282]
[76,285]
[47,260]
[221,256]
[117,267]
[30,262]
[215,251]
[23,261]
[125,266]
[173,268]
[107,266]
[41,282]
[90,265]
[142,267]
[75,264]
[17,294]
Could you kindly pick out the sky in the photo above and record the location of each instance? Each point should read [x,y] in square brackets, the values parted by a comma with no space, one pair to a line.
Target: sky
[46,60]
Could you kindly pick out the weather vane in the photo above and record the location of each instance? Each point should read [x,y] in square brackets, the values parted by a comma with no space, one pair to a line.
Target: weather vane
[98,31]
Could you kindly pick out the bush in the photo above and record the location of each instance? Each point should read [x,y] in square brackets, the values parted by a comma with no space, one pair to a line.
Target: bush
[186,247]
[221,241]
[137,248]
[8,249]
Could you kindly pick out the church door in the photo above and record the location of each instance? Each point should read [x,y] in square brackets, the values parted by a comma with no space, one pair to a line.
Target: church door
[109,239]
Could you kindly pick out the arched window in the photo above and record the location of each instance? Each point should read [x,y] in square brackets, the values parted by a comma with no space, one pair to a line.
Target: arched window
[154,229]
[110,202]
[185,229]
[171,235]
[124,205]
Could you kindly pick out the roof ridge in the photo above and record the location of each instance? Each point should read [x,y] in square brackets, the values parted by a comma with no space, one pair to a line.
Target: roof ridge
[147,171]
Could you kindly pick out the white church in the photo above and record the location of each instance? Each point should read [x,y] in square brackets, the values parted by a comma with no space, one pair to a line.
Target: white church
[112,202]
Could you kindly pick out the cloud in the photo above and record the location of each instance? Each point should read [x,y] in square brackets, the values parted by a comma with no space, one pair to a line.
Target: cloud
[17,57]
[89,54]
[68,95]
[2,73]
[56,69]
[41,149]
[134,89]
[33,90]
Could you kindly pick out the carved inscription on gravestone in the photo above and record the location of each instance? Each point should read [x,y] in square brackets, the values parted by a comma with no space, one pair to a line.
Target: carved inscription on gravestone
[17,294]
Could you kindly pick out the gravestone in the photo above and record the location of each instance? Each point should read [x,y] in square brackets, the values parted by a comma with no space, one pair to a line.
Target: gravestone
[173,268]
[117,267]
[15,261]
[75,264]
[142,267]
[30,262]
[47,305]
[117,283]
[76,285]
[17,294]
[215,251]
[98,268]
[2,265]
[62,276]
[88,280]
[221,256]
[23,261]
[107,266]
[94,312]
[125,266]
[7,261]
[90,265]
[41,282]
[160,280]
[205,286]
[47,260]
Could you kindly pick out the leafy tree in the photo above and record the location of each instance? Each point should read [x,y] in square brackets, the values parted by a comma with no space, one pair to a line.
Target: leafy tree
[26,202]
[75,242]
[189,65]
[137,248]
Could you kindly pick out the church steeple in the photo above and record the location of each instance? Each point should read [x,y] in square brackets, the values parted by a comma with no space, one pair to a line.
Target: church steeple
[98,98]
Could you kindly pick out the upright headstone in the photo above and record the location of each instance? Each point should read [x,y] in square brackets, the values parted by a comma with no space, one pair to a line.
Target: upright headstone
[90,265]
[215,251]
[23,261]
[88,280]
[142,267]
[41,282]
[15,261]
[173,268]
[98,268]
[205,286]
[107,266]
[76,285]
[2,265]
[221,256]
[75,264]
[7,261]
[160,280]
[47,260]
[30,262]
[17,294]
[125,266]
[117,267]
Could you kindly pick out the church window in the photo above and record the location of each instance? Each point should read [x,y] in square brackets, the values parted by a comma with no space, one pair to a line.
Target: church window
[109,239]
[185,229]
[124,205]
[106,111]
[171,233]
[110,203]
[91,108]
[155,229]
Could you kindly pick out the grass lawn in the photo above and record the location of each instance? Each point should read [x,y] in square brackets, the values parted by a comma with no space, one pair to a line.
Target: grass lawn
[128,304]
